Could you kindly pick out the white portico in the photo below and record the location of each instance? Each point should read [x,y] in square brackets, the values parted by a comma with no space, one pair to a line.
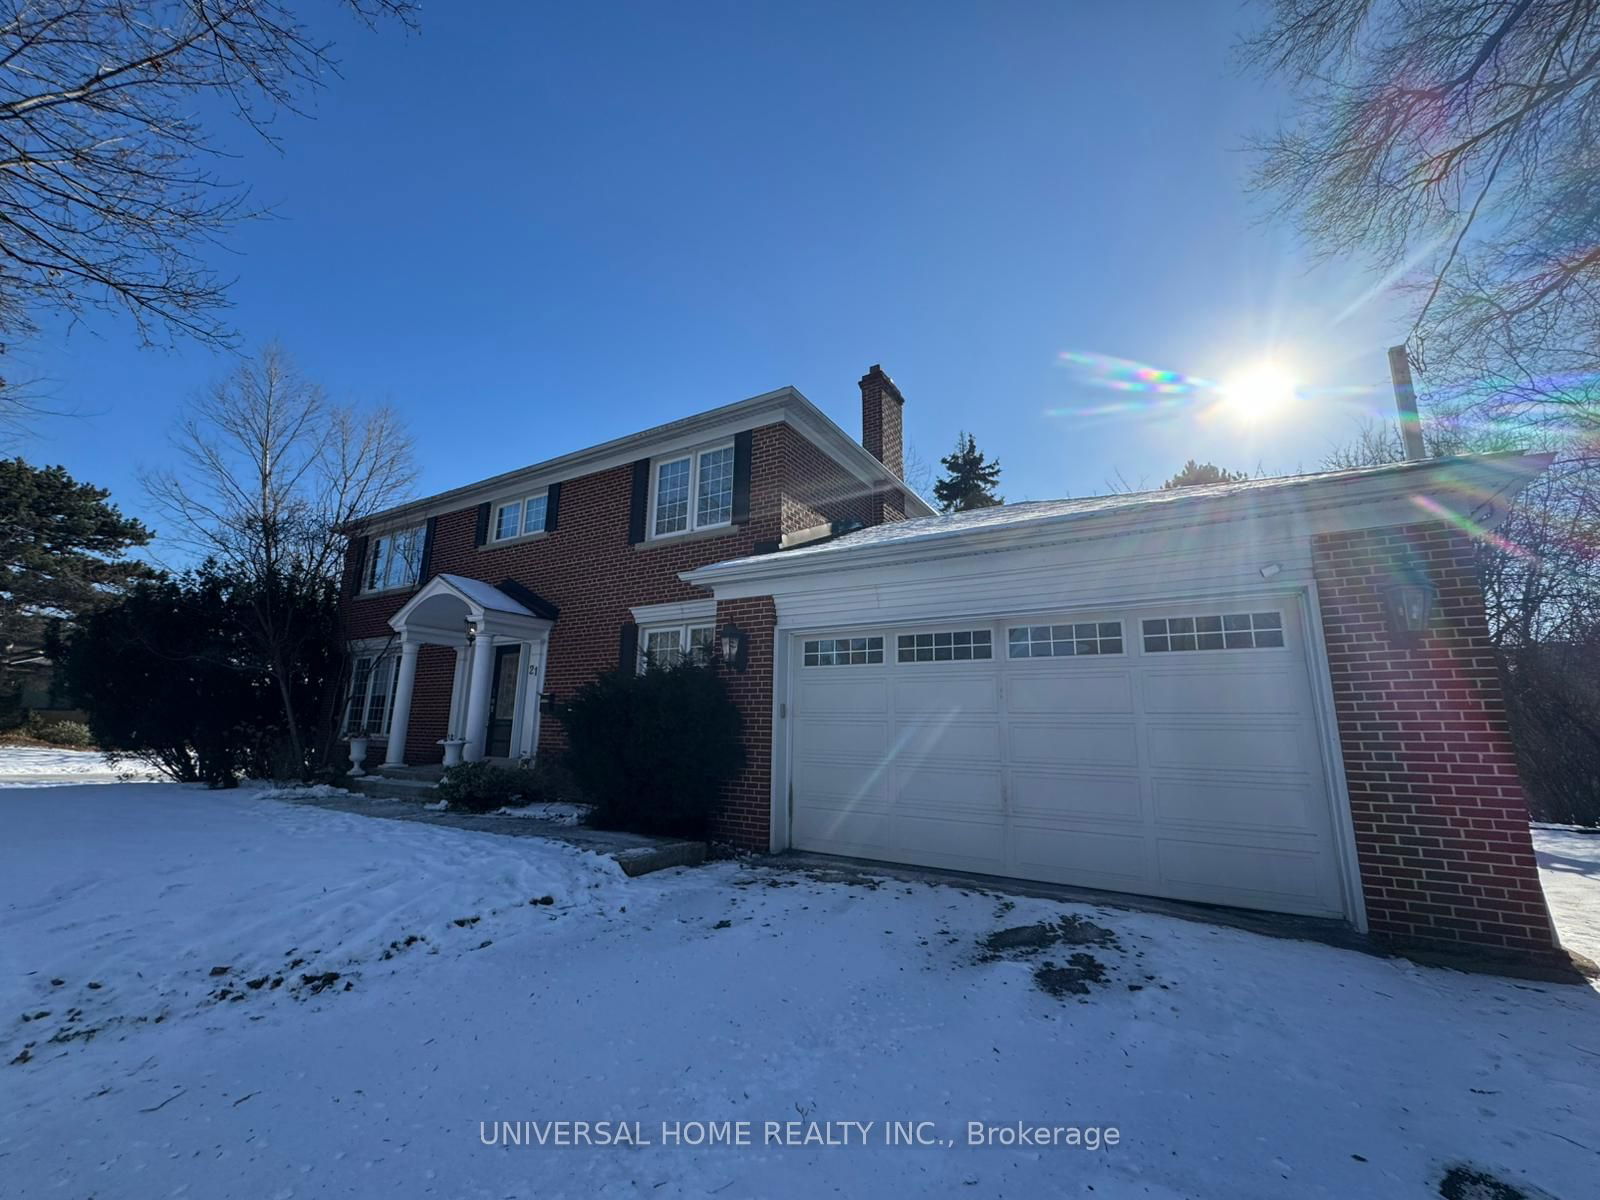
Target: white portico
[500,642]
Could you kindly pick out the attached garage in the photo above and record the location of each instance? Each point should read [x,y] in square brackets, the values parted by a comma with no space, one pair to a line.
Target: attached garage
[1169,751]
[1277,694]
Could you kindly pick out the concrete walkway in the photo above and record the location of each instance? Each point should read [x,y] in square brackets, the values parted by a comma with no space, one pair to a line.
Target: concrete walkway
[635,853]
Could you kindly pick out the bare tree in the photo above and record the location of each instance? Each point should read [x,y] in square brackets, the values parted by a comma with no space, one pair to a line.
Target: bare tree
[1541,568]
[917,473]
[106,198]
[1457,144]
[268,474]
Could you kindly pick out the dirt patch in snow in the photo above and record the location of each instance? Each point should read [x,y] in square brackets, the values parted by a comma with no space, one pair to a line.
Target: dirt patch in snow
[1022,941]
[1071,980]
[1467,1183]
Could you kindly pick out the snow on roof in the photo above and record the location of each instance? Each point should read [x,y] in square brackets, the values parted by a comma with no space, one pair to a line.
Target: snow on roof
[485,595]
[949,525]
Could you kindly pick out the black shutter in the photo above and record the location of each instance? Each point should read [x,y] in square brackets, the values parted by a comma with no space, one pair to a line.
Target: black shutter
[743,443]
[425,569]
[628,655]
[552,506]
[361,544]
[638,504]
[482,534]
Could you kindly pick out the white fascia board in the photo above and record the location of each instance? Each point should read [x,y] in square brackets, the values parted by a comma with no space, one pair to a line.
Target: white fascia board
[783,406]
[675,613]
[1386,498]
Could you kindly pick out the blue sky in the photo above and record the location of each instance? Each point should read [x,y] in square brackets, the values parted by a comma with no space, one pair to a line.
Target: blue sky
[534,227]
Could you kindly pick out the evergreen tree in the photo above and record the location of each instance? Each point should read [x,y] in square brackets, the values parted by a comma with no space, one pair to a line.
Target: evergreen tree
[1196,473]
[969,480]
[62,553]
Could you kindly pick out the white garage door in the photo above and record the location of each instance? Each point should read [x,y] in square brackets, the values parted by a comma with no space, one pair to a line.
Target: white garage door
[1171,752]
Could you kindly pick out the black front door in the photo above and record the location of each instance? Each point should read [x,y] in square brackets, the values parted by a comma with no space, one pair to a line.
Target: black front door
[502,700]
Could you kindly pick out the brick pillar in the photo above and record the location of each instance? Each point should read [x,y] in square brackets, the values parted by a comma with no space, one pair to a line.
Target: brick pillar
[1441,822]
[745,818]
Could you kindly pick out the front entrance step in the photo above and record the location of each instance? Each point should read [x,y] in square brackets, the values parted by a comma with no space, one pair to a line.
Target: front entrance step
[394,787]
[429,772]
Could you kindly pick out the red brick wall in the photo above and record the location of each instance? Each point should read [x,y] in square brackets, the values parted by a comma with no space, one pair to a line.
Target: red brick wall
[746,814]
[1441,822]
[818,489]
[589,570]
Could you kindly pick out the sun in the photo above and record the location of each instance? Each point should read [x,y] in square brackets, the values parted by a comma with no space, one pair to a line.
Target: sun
[1259,392]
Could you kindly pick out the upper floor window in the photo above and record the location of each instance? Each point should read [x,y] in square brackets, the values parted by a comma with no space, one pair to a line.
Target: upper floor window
[693,491]
[394,559]
[517,517]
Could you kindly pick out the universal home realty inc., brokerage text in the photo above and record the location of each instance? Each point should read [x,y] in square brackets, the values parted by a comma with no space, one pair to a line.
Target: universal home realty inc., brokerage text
[801,1134]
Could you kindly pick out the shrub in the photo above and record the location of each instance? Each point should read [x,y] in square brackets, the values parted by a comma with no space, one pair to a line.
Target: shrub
[652,752]
[74,734]
[168,676]
[482,787]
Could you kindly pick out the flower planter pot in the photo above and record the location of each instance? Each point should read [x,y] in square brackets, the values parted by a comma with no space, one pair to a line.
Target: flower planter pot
[452,750]
[358,755]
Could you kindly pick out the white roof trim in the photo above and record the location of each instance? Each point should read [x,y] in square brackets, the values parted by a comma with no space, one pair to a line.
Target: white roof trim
[680,611]
[1488,481]
[480,598]
[785,405]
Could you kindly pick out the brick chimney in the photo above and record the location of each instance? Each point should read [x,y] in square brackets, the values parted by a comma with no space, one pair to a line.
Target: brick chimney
[881,419]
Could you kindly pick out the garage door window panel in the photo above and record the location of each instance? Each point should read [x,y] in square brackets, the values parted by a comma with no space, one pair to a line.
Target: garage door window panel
[1217,631]
[842,652]
[1064,641]
[945,645]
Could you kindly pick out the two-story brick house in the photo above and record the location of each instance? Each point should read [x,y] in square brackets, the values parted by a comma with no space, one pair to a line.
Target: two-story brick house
[1276,694]
[465,607]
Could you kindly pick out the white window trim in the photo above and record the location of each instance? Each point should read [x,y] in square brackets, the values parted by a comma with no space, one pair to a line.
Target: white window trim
[681,628]
[372,546]
[692,523]
[692,612]
[522,510]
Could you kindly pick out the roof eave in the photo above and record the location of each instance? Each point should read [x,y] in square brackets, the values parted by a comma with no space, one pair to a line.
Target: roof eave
[1512,470]
[786,404]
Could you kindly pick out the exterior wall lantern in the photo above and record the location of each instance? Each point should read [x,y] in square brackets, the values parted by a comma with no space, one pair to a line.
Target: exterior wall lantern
[472,631]
[1409,608]
[735,645]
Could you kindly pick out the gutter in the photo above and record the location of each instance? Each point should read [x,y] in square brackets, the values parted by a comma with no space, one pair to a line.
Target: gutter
[1504,475]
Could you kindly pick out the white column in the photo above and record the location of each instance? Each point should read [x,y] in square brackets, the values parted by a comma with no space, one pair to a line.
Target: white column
[400,721]
[477,730]
[458,693]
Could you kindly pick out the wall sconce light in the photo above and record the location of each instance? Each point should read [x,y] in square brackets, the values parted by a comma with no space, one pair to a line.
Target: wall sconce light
[472,631]
[1408,607]
[547,703]
[734,644]
[1268,570]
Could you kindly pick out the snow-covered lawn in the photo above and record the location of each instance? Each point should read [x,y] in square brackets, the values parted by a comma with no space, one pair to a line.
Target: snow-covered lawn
[1230,1064]
[1569,867]
[37,766]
